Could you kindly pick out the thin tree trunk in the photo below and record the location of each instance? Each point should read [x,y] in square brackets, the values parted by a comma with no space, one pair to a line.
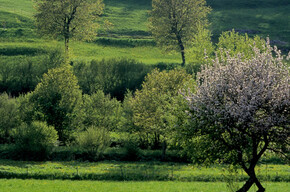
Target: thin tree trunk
[66,43]
[164,147]
[181,50]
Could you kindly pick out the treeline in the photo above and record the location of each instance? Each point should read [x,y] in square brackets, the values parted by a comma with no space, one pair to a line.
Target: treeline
[48,102]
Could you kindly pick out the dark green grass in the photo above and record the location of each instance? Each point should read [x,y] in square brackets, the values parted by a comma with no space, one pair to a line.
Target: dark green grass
[262,17]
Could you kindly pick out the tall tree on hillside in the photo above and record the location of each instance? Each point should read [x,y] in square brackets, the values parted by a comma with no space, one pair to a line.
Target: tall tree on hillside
[173,23]
[68,18]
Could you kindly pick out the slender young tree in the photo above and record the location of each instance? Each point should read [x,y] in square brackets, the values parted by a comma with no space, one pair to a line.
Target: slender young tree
[240,110]
[153,105]
[174,22]
[68,18]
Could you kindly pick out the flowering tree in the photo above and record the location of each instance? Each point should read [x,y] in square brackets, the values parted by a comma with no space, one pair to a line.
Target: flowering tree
[240,110]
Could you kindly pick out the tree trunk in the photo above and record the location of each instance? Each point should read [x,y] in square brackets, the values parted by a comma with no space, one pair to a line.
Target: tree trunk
[181,49]
[164,147]
[66,43]
[253,179]
[246,186]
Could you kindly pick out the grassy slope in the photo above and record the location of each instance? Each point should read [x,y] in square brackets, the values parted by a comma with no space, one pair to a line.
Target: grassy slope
[129,17]
[269,17]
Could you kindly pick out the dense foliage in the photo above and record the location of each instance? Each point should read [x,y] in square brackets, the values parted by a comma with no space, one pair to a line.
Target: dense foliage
[9,117]
[35,140]
[155,104]
[56,97]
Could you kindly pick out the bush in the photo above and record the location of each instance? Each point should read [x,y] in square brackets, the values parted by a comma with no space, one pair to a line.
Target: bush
[35,141]
[113,76]
[9,117]
[93,141]
[20,73]
[132,151]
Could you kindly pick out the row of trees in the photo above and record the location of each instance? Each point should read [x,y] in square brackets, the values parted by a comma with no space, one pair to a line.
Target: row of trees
[173,23]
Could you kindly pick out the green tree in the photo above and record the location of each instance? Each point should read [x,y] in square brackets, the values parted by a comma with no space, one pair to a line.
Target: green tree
[174,22]
[68,18]
[200,50]
[9,117]
[99,110]
[94,141]
[153,105]
[35,140]
[234,43]
[56,97]
[240,110]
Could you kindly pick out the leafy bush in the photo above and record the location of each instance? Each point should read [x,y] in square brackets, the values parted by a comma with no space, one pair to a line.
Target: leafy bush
[56,97]
[22,72]
[35,141]
[9,117]
[113,76]
[94,141]
[98,110]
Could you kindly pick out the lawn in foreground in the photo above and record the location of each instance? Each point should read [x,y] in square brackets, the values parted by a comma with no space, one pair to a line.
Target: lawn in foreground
[17,185]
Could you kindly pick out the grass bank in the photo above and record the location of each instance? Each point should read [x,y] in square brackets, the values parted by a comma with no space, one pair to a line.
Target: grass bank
[134,171]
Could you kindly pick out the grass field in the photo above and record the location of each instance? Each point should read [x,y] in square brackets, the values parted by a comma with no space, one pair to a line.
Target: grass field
[129,17]
[135,171]
[16,185]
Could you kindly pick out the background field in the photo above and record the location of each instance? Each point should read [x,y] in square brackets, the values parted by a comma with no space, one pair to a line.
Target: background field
[129,17]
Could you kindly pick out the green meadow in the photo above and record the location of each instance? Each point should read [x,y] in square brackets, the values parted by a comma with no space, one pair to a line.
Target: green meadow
[17,185]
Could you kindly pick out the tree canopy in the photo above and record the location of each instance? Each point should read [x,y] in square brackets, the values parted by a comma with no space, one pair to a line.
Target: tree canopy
[240,110]
[153,105]
[56,97]
[173,23]
[68,18]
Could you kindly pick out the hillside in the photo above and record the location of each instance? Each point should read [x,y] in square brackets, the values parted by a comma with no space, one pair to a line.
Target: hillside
[129,17]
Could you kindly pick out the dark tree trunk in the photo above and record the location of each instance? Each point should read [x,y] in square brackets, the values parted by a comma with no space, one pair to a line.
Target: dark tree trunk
[156,144]
[181,49]
[66,43]
[246,186]
[164,147]
[253,179]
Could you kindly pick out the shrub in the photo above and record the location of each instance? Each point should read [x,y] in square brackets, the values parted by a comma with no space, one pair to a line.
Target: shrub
[56,97]
[9,117]
[20,73]
[99,110]
[113,76]
[35,141]
[93,141]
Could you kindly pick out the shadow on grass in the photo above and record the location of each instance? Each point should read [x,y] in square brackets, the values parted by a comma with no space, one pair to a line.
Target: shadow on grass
[16,51]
